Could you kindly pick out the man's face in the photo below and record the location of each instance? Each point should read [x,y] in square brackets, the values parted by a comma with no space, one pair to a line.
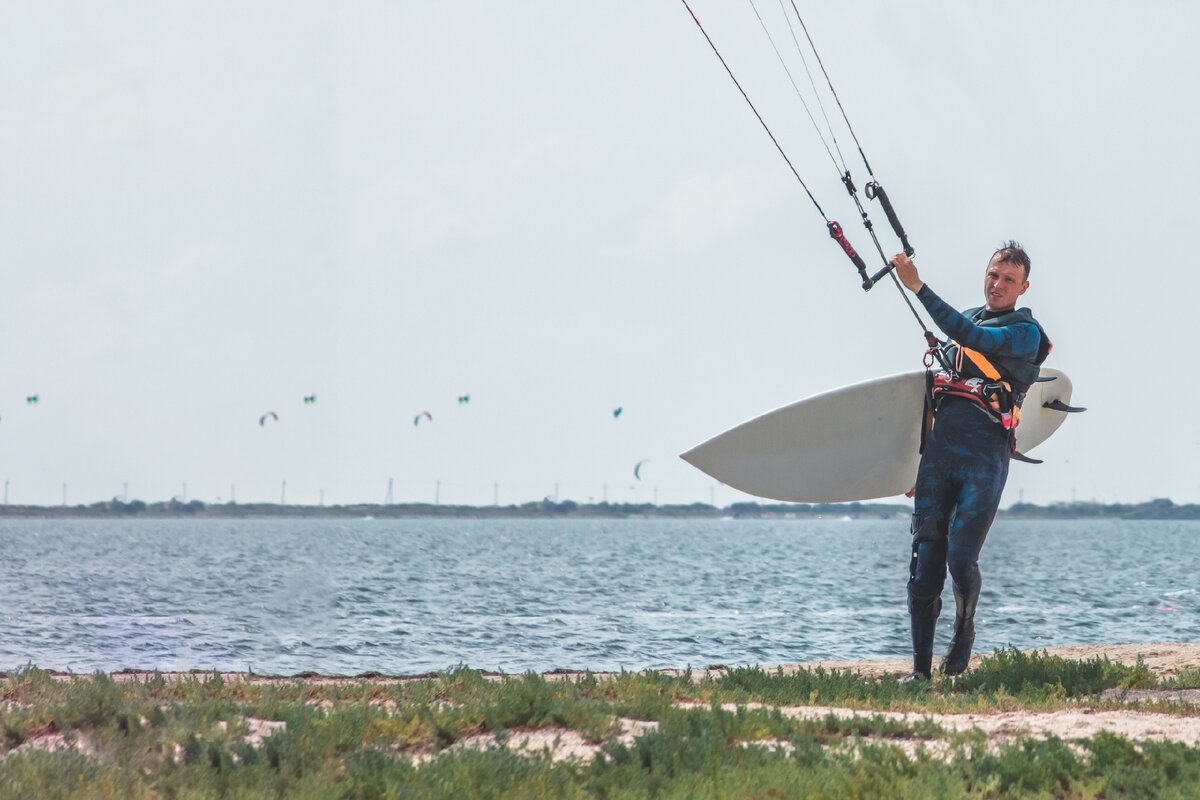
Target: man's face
[1003,284]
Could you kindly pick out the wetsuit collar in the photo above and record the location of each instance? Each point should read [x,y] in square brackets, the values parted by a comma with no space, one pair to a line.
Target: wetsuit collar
[985,314]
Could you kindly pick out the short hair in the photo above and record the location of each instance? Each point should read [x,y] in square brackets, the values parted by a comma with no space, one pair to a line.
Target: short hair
[1011,252]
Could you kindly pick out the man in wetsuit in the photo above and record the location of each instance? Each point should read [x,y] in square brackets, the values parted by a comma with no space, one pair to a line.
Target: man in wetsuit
[993,355]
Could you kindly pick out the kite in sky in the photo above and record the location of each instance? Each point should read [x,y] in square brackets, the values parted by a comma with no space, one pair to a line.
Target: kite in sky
[464,399]
[269,415]
[309,399]
[637,470]
[424,414]
[617,412]
[32,399]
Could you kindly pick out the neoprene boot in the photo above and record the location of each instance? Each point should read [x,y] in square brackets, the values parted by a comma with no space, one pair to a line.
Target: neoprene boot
[958,657]
[923,613]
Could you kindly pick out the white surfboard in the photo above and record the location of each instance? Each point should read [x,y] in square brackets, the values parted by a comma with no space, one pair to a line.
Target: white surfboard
[859,442]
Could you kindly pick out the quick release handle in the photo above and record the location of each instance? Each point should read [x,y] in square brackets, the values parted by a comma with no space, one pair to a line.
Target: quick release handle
[835,230]
[875,191]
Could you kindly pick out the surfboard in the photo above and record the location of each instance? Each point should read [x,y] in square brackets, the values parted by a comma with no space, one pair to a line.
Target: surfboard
[858,442]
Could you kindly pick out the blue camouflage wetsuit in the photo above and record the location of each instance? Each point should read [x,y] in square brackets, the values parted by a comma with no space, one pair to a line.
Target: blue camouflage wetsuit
[959,483]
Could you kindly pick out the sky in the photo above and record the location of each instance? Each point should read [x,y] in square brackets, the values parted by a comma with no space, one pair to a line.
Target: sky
[209,211]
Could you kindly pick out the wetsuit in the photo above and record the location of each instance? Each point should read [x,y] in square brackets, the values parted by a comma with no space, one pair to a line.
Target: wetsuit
[960,480]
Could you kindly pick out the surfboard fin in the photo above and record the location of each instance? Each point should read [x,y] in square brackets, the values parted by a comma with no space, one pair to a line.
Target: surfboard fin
[1022,457]
[1059,405]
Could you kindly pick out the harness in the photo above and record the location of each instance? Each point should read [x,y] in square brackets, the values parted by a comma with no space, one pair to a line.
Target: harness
[995,398]
[996,384]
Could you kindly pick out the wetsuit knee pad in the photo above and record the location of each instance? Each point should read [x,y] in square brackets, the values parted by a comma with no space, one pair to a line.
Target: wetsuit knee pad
[930,532]
[926,528]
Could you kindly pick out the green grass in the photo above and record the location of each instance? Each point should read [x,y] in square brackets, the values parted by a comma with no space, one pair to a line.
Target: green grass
[716,736]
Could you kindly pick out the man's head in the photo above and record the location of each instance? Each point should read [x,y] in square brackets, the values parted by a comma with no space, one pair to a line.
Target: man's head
[1006,278]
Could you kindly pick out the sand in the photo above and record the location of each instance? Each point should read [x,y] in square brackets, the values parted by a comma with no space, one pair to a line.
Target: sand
[1164,659]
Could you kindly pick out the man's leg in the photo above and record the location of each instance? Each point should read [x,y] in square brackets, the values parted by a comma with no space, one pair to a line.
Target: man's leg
[958,657]
[926,577]
[935,493]
[977,504]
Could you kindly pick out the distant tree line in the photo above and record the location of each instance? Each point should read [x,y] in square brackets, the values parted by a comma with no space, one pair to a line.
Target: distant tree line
[197,508]
[1159,508]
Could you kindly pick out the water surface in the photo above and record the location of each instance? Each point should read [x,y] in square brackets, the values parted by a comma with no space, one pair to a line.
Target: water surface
[410,596]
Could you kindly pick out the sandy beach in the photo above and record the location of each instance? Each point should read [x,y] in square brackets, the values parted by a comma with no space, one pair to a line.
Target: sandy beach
[1162,658]
[1143,715]
[1180,723]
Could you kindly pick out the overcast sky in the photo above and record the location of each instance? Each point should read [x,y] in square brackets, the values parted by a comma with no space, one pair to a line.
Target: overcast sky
[209,211]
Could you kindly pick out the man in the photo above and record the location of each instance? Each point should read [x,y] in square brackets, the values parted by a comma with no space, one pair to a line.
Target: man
[992,358]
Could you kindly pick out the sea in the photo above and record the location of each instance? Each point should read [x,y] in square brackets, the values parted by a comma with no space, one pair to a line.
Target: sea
[410,596]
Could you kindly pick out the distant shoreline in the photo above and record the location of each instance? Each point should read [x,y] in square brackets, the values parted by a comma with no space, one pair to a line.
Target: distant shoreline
[1158,509]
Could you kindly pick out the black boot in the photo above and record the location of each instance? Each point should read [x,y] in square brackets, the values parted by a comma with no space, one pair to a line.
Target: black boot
[924,597]
[923,613]
[922,668]
[958,658]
